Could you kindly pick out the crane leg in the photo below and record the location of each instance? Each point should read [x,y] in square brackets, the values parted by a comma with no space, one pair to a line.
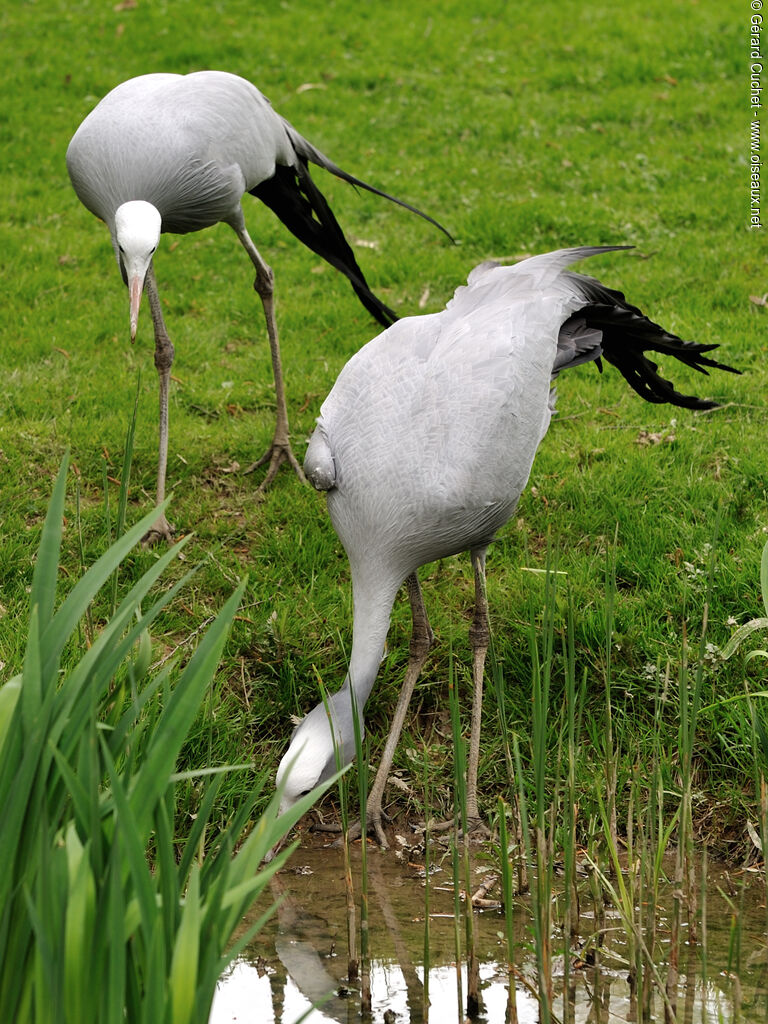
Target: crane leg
[479,635]
[280,450]
[422,639]
[161,528]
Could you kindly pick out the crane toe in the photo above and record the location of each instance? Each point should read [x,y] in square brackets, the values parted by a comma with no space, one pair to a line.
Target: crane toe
[161,530]
[277,453]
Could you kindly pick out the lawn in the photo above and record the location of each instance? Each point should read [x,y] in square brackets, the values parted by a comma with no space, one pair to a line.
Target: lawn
[530,127]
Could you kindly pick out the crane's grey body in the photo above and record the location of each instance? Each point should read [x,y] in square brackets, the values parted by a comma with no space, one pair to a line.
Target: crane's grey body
[433,426]
[176,153]
[189,144]
[427,439]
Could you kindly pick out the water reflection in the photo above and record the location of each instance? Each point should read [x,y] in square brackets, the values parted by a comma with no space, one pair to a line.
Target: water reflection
[300,958]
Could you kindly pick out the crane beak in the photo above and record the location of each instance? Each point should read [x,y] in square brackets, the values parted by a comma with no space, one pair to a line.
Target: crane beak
[135,287]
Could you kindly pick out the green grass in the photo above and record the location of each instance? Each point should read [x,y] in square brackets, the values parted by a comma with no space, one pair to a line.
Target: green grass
[529,127]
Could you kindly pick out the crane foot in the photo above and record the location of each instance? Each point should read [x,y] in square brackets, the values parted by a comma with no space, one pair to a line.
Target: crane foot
[161,530]
[275,456]
[477,830]
[374,828]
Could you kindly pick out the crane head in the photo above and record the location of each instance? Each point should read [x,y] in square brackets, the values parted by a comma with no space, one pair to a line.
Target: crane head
[311,755]
[136,235]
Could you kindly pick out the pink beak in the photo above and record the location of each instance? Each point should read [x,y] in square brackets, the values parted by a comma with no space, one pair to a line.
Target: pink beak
[135,287]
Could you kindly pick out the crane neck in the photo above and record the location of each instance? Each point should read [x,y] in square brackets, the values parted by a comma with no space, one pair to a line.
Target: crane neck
[373,599]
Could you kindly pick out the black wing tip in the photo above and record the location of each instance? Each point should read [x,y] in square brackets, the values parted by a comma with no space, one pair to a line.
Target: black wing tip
[380,312]
[295,199]
[627,335]
[643,377]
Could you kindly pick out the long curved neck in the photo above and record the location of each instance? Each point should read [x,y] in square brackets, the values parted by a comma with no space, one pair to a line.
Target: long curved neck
[373,598]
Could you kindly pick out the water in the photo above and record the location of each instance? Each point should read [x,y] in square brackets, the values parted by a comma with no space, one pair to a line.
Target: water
[300,957]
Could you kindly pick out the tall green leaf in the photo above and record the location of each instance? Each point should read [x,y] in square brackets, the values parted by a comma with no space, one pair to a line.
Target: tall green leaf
[176,719]
[43,593]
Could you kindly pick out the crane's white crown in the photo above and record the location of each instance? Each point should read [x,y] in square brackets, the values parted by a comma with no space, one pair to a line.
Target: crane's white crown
[302,765]
[311,756]
[137,232]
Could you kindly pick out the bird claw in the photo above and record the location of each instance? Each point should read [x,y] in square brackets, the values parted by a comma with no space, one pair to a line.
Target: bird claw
[374,828]
[275,455]
[477,830]
[162,530]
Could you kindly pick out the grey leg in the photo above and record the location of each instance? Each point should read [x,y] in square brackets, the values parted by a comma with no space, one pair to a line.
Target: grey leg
[280,450]
[422,639]
[162,529]
[479,635]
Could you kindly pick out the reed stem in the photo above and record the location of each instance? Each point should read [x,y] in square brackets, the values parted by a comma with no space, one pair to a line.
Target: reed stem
[542,670]
[509,929]
[349,889]
[427,839]
[609,753]
[498,682]
[571,893]
[461,828]
[540,940]
[361,755]
[458,786]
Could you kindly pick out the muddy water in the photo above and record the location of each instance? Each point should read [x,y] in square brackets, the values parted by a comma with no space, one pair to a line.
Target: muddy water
[300,957]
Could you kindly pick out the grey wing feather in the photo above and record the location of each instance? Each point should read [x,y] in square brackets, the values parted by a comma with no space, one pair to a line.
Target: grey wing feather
[577,343]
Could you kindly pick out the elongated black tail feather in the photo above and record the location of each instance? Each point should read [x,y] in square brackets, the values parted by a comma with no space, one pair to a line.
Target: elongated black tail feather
[292,196]
[627,334]
[307,151]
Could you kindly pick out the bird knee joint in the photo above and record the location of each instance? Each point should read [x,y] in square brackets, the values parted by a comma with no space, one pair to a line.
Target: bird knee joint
[421,643]
[479,634]
[264,285]
[164,352]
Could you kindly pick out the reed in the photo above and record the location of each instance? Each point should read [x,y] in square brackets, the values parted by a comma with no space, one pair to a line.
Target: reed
[497,675]
[361,756]
[427,787]
[760,748]
[461,839]
[541,679]
[752,723]
[610,754]
[654,838]
[673,968]
[636,856]
[541,940]
[88,745]
[507,898]
[353,962]
[703,960]
[734,950]
[572,713]
[456,872]
[614,884]
[690,703]
[633,889]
